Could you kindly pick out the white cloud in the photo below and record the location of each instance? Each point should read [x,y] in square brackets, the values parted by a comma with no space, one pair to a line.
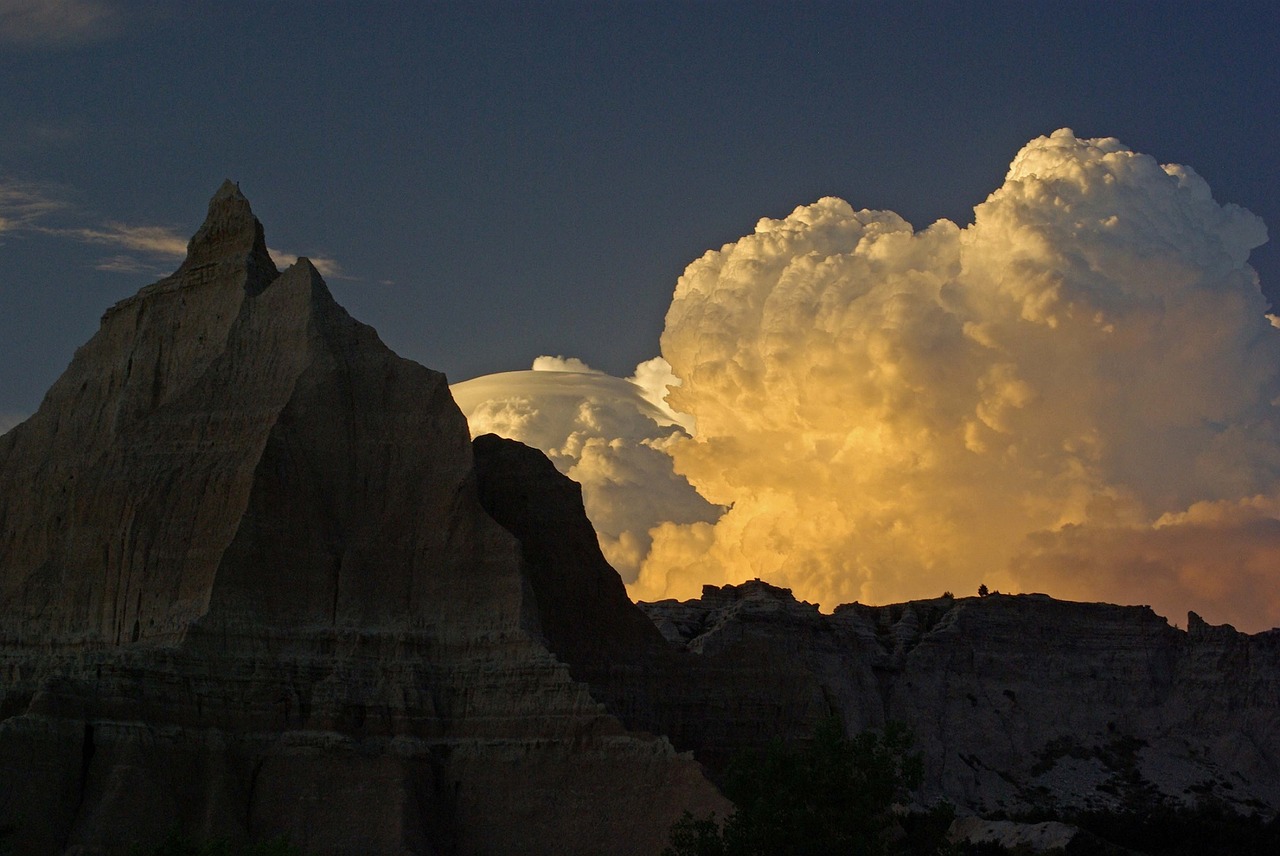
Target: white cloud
[158,241]
[23,203]
[892,413]
[562,364]
[652,378]
[328,268]
[58,22]
[656,380]
[127,264]
[161,248]
[602,432]
[1074,394]
[27,206]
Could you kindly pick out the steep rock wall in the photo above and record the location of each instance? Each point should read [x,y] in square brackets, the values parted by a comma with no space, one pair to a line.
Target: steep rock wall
[247,588]
[1015,701]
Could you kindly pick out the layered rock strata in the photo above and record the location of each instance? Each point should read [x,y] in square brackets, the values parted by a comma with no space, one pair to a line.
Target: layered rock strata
[247,589]
[255,580]
[1016,702]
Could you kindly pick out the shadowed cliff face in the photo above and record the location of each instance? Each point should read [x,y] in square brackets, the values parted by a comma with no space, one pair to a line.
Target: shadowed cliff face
[1016,702]
[254,580]
[247,588]
[233,448]
[583,609]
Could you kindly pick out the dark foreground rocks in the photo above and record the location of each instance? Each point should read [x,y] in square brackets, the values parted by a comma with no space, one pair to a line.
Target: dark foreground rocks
[247,589]
[256,580]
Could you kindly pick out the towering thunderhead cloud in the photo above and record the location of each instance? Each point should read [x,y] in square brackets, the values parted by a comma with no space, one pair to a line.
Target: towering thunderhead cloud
[1075,393]
[1058,396]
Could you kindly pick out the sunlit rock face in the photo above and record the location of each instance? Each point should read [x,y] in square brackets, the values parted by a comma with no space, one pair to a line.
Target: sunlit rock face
[247,588]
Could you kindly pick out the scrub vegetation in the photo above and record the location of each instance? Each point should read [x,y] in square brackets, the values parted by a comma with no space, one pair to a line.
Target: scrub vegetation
[833,794]
[836,794]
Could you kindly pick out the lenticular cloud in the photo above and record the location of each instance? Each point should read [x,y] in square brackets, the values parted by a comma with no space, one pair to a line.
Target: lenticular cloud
[1074,394]
[608,434]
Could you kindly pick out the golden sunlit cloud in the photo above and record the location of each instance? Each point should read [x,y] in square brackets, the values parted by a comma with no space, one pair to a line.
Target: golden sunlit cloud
[166,245]
[1074,394]
[26,206]
[1220,559]
[23,203]
[154,240]
[327,267]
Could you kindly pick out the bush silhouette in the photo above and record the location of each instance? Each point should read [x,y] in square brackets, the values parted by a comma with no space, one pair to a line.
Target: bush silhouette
[833,794]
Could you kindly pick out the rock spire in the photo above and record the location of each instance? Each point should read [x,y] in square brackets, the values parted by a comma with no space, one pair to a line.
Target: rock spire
[247,588]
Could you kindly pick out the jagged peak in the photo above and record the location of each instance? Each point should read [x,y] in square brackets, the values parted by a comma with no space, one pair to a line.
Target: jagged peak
[230,234]
[306,269]
[229,189]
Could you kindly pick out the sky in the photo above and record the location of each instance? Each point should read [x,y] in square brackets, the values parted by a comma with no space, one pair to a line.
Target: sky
[487,184]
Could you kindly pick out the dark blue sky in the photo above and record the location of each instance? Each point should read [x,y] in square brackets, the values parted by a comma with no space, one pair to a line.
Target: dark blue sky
[499,181]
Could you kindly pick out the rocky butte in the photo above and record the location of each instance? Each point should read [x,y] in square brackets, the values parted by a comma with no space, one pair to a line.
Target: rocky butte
[255,580]
[247,588]
[1017,702]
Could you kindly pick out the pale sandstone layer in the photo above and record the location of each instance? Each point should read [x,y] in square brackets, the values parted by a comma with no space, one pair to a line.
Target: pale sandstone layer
[247,588]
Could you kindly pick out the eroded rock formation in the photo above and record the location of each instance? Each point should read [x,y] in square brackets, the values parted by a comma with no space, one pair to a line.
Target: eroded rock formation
[1015,701]
[254,579]
[247,588]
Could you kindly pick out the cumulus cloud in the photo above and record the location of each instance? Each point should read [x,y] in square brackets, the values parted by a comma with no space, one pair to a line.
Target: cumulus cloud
[1076,393]
[562,364]
[1021,401]
[605,433]
[50,23]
